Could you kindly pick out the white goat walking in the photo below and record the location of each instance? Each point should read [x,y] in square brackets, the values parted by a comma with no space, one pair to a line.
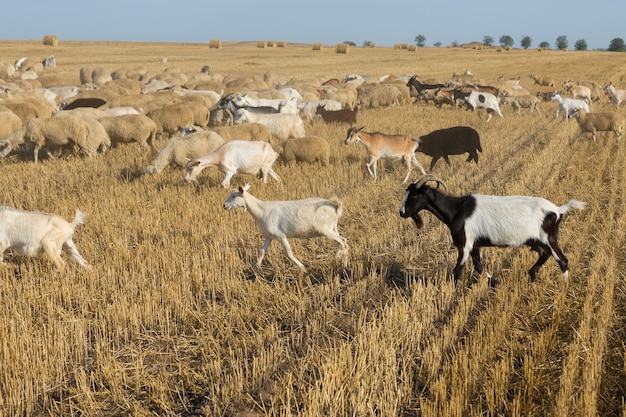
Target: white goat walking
[279,220]
[568,105]
[33,233]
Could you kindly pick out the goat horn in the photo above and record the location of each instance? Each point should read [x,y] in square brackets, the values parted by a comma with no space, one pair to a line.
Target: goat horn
[427,178]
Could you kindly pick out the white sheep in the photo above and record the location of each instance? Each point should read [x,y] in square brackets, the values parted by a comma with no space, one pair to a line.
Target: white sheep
[598,122]
[617,96]
[131,128]
[9,124]
[522,102]
[280,220]
[179,150]
[236,156]
[32,233]
[383,95]
[308,149]
[282,126]
[568,105]
[97,138]
[246,131]
[171,119]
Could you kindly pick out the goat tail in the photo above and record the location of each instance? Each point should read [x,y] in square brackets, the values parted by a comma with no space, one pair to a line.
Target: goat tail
[572,204]
[78,219]
[338,204]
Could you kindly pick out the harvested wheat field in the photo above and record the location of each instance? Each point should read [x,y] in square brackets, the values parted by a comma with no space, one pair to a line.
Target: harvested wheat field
[174,319]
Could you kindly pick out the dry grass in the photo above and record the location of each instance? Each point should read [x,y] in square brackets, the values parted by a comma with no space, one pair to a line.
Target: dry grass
[173,320]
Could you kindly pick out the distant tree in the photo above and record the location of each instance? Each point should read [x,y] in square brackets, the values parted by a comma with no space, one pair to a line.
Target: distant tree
[367,44]
[544,44]
[488,40]
[419,40]
[437,44]
[561,42]
[526,42]
[506,40]
[617,45]
[580,45]
[349,43]
[454,44]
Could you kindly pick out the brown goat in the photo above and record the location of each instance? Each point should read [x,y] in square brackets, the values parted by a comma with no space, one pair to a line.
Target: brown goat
[342,116]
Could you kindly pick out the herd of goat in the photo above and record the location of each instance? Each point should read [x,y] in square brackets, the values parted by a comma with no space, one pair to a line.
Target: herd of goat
[236,134]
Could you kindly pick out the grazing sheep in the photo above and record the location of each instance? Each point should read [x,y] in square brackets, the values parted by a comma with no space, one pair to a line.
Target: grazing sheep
[131,128]
[246,131]
[340,116]
[220,117]
[568,105]
[280,220]
[9,124]
[97,138]
[283,126]
[308,149]
[478,220]
[236,156]
[32,233]
[598,122]
[543,81]
[455,140]
[522,102]
[578,91]
[25,111]
[171,119]
[178,151]
[51,133]
[384,95]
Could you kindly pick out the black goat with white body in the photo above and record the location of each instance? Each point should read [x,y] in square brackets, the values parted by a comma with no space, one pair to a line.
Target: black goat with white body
[455,140]
[478,220]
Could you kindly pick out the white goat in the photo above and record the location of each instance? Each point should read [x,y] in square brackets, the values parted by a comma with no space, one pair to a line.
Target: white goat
[283,126]
[236,156]
[288,106]
[478,220]
[33,233]
[568,105]
[480,100]
[617,96]
[280,220]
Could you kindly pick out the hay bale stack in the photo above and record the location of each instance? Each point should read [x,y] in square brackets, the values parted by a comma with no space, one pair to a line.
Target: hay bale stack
[318,46]
[50,40]
[260,44]
[411,48]
[215,44]
[271,44]
[281,44]
[342,48]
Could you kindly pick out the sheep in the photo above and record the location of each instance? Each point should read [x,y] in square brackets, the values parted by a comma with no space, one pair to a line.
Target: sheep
[131,128]
[598,122]
[380,145]
[374,96]
[280,220]
[97,138]
[178,151]
[451,141]
[340,116]
[9,124]
[171,119]
[246,131]
[236,156]
[480,100]
[543,81]
[522,102]
[617,96]
[478,220]
[220,117]
[53,132]
[578,91]
[33,233]
[568,105]
[309,149]
[282,126]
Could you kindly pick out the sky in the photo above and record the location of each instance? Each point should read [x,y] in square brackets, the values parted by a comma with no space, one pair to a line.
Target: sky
[384,23]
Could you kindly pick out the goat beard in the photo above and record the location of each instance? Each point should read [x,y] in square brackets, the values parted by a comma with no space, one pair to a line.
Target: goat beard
[418,220]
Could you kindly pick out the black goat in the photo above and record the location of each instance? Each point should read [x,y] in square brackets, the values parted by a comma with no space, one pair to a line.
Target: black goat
[451,141]
[419,86]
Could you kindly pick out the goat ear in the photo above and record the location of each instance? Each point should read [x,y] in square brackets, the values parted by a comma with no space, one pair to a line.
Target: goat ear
[244,188]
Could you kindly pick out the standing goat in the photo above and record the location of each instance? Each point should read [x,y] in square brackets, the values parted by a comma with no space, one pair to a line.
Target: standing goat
[33,233]
[380,145]
[478,220]
[455,140]
[279,220]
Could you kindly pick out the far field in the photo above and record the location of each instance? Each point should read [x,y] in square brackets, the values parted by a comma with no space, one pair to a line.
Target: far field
[173,320]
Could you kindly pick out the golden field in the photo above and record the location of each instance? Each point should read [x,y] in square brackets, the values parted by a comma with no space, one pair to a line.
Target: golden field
[173,320]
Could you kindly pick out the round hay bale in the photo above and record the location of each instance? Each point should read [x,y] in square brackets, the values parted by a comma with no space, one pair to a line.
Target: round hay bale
[260,44]
[281,44]
[215,44]
[271,44]
[50,40]
[342,48]
[411,48]
[318,46]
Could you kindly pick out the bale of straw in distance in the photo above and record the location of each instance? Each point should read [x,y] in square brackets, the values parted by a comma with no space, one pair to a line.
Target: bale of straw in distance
[271,44]
[342,48]
[281,44]
[411,48]
[318,46]
[260,44]
[50,40]
[215,43]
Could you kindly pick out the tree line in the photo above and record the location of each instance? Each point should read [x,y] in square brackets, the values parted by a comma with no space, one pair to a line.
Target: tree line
[616,44]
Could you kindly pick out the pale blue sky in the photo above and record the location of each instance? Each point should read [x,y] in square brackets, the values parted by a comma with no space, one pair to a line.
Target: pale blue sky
[383,22]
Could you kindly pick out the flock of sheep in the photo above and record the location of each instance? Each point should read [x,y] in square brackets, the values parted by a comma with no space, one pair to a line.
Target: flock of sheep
[242,125]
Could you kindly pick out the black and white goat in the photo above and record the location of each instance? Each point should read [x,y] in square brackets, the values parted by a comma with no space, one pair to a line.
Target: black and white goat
[478,220]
